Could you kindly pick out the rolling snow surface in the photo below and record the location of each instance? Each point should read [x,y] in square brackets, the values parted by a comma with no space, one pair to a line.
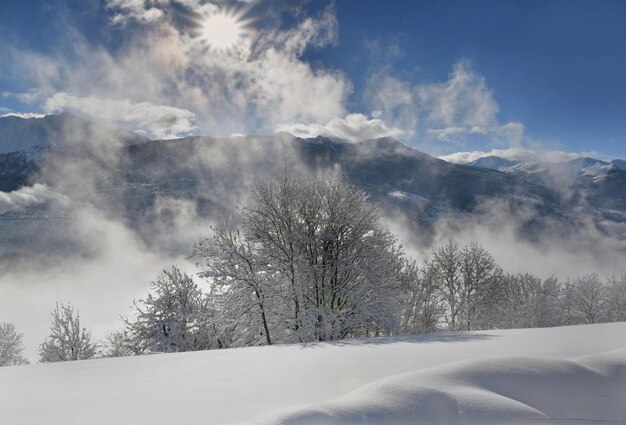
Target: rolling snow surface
[567,375]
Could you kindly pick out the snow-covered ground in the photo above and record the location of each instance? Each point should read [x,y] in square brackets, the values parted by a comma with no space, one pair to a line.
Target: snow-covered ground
[571,375]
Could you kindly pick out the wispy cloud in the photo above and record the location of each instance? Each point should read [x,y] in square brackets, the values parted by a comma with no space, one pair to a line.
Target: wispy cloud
[452,113]
[463,102]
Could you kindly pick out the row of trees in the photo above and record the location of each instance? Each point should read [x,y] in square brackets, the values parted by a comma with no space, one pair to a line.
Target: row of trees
[308,260]
[462,288]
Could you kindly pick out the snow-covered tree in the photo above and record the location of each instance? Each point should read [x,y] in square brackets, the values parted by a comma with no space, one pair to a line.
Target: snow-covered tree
[585,299]
[117,344]
[170,319]
[446,263]
[616,298]
[11,346]
[422,310]
[306,260]
[240,281]
[529,302]
[481,288]
[469,282]
[67,339]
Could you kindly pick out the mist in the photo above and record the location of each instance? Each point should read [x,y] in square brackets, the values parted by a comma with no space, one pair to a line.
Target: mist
[112,212]
[108,209]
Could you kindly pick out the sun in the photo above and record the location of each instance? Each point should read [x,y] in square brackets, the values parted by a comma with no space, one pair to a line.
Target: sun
[223,31]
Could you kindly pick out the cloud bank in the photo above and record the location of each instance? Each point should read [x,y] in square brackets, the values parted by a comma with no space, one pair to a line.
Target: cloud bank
[353,128]
[518,154]
[29,196]
[159,121]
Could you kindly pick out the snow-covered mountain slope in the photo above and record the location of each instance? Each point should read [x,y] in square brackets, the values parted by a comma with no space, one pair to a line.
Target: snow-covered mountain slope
[583,166]
[619,163]
[569,375]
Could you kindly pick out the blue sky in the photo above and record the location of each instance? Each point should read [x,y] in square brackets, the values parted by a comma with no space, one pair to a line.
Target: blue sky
[479,75]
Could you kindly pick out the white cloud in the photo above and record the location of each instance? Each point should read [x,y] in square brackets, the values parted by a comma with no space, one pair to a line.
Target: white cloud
[149,12]
[137,10]
[155,120]
[23,115]
[352,128]
[28,196]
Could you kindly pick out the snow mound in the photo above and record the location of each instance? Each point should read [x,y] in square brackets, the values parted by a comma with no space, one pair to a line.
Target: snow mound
[509,390]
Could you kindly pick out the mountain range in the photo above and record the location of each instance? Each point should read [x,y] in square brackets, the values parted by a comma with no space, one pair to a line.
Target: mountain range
[600,184]
[137,179]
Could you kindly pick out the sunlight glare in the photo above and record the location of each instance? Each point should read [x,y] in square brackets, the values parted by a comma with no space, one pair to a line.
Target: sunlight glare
[222,31]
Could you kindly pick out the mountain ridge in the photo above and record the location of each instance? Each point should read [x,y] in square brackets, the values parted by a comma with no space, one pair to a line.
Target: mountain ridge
[139,180]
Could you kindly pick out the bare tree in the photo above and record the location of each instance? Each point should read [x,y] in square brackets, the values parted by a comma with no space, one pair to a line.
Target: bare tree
[11,346]
[67,340]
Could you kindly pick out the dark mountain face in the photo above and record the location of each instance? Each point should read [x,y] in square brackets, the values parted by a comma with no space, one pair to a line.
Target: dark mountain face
[493,163]
[382,167]
[18,168]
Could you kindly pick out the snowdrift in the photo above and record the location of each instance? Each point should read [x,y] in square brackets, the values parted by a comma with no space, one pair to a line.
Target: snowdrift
[568,375]
[510,390]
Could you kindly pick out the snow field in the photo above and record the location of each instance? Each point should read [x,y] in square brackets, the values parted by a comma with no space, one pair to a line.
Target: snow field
[568,375]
